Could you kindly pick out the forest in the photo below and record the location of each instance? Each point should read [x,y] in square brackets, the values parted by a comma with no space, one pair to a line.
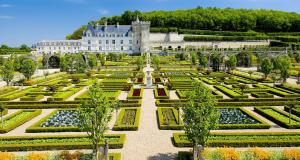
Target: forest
[216,19]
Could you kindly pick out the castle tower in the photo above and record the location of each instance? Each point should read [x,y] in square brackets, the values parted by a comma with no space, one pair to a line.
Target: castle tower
[141,33]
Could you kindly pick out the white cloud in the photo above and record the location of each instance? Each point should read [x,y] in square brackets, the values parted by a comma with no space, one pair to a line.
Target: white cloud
[6,17]
[5,5]
[103,11]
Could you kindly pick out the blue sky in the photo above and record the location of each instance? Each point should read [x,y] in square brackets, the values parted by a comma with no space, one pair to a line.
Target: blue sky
[29,21]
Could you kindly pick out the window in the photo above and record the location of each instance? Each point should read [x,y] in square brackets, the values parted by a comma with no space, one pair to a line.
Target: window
[113,41]
[107,42]
[100,42]
[89,41]
[121,41]
[137,42]
[89,48]
[100,48]
[130,47]
[130,41]
[122,48]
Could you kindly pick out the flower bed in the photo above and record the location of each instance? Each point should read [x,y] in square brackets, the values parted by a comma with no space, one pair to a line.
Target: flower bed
[140,80]
[18,118]
[128,119]
[135,93]
[161,93]
[168,119]
[57,142]
[157,80]
[57,121]
[253,139]
[278,116]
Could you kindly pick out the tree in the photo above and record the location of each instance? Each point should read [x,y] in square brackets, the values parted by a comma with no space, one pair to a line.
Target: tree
[193,58]
[297,57]
[102,59]
[24,47]
[8,71]
[28,67]
[199,116]
[95,115]
[232,62]
[284,65]
[17,62]
[156,62]
[92,60]
[2,108]
[203,61]
[63,63]
[266,67]
[140,63]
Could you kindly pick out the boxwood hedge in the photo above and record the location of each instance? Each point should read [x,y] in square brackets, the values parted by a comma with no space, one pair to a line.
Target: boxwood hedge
[124,118]
[56,142]
[244,139]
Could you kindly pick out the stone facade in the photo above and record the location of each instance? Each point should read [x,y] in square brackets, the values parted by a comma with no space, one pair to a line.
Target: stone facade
[131,39]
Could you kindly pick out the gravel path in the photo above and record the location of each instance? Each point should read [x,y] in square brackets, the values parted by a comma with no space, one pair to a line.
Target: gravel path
[148,142]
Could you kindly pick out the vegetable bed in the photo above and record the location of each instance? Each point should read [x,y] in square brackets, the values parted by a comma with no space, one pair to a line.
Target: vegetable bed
[168,119]
[278,116]
[128,119]
[18,118]
[240,118]
[61,120]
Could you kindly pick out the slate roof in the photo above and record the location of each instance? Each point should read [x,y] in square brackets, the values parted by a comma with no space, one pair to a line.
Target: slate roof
[121,29]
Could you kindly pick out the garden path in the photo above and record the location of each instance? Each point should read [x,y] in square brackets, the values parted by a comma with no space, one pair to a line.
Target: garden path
[148,143]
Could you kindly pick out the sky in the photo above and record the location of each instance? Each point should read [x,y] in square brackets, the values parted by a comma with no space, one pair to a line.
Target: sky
[30,21]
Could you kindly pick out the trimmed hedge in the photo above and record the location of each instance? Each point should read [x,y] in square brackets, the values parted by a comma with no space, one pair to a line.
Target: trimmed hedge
[36,127]
[162,119]
[244,139]
[61,96]
[262,95]
[55,142]
[131,91]
[224,38]
[230,92]
[280,117]
[295,111]
[119,124]
[17,94]
[167,96]
[32,98]
[17,121]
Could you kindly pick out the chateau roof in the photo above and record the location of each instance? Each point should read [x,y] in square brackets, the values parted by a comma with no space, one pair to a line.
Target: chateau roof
[123,29]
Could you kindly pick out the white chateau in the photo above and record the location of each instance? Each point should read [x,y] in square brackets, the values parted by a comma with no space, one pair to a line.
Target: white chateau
[131,39]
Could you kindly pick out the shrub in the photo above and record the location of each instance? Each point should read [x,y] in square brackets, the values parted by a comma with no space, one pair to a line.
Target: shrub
[258,154]
[6,156]
[292,154]
[66,155]
[38,156]
[228,154]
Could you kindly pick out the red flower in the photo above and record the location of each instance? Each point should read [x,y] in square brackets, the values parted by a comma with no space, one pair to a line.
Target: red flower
[161,92]
[136,92]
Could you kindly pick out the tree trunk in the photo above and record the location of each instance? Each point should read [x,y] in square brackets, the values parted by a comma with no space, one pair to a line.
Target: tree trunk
[106,150]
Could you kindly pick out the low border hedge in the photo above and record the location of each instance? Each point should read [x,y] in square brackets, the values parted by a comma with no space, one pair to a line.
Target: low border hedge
[43,145]
[230,92]
[20,121]
[130,94]
[118,126]
[163,126]
[36,127]
[240,142]
[32,98]
[294,111]
[167,96]
[262,95]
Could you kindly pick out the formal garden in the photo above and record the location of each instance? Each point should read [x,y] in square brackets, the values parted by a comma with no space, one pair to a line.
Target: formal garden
[106,102]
